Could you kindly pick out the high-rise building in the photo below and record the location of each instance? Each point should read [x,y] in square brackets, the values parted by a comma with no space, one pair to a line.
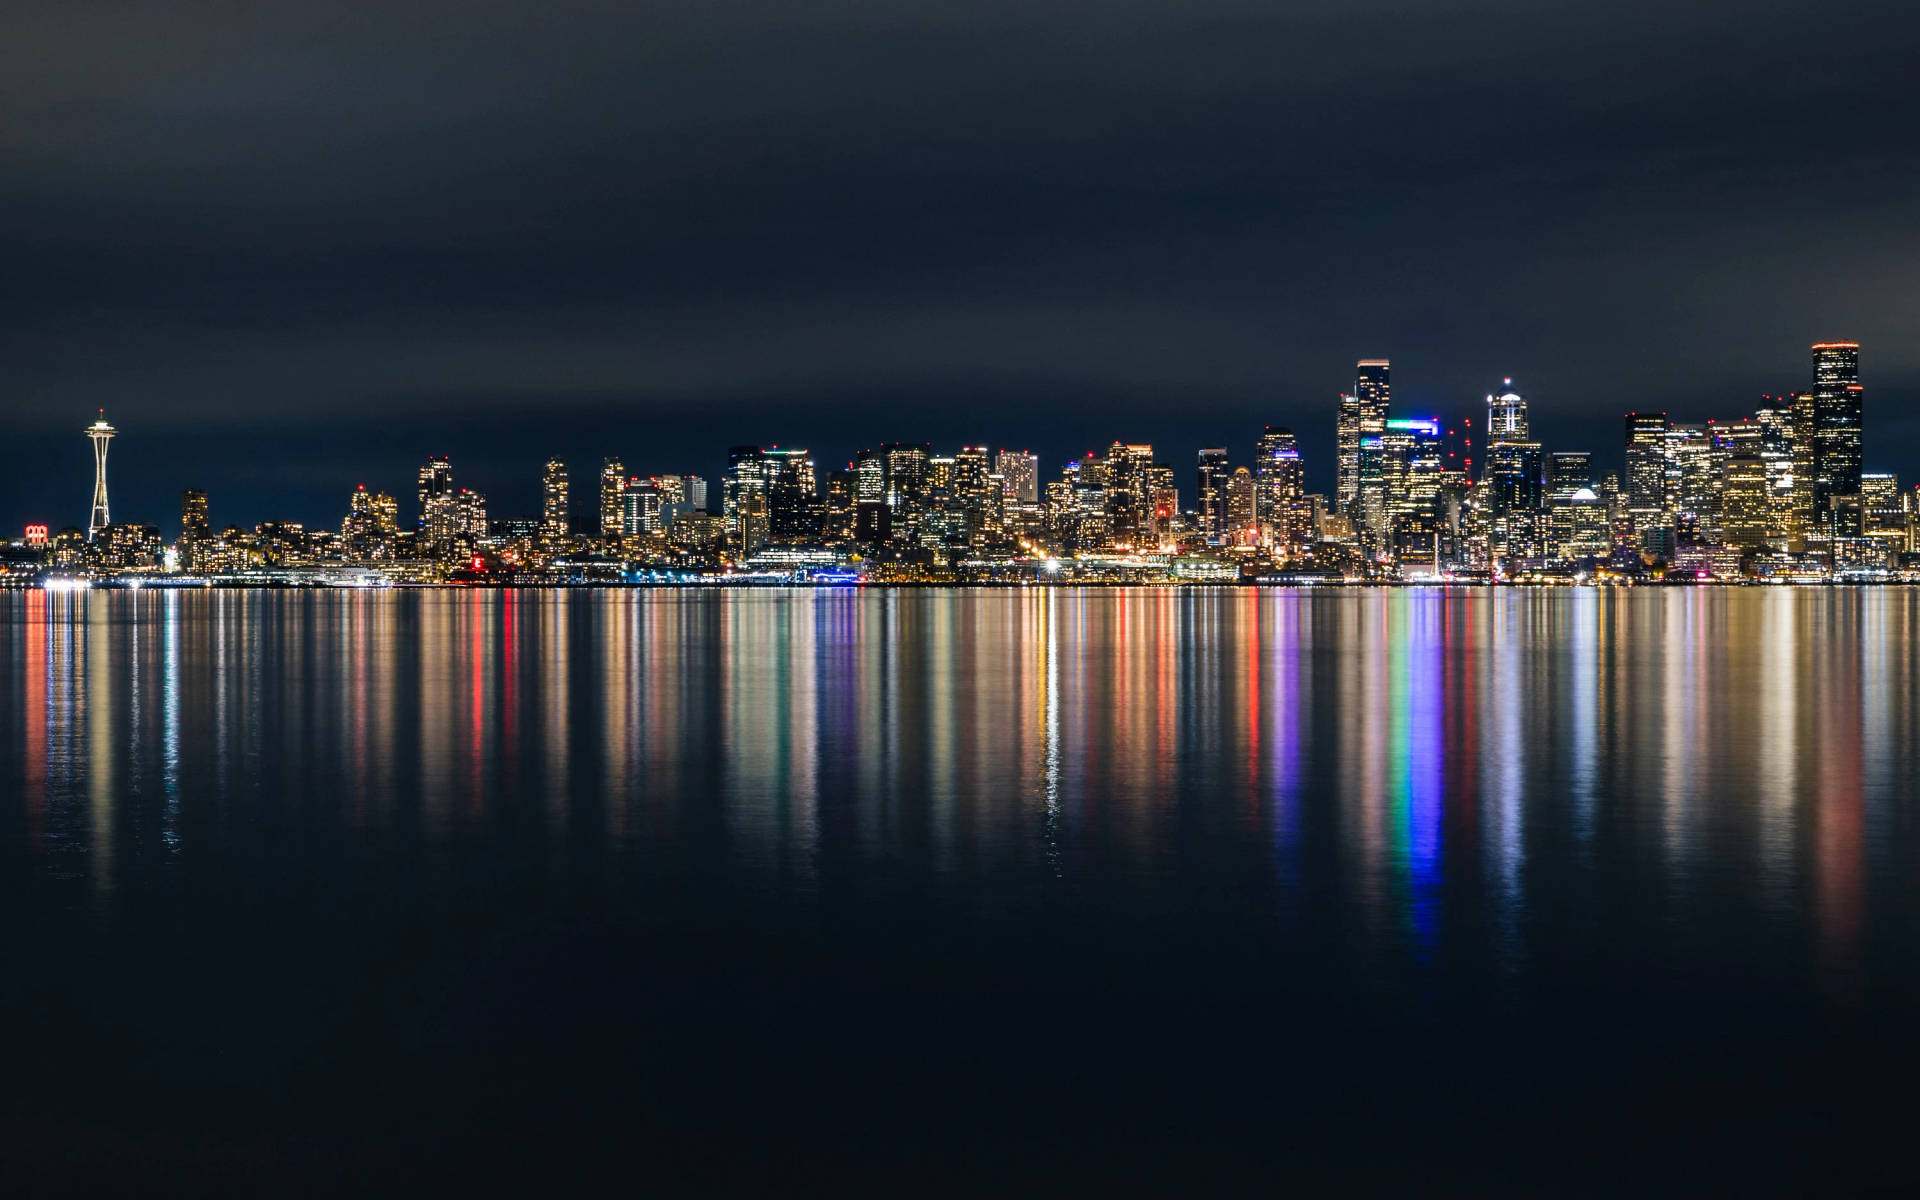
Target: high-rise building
[1745,506]
[196,530]
[640,503]
[1786,524]
[1020,470]
[973,488]
[1645,484]
[555,521]
[1129,500]
[1363,413]
[744,499]
[356,530]
[1836,432]
[1506,415]
[795,512]
[1884,512]
[1412,465]
[1569,470]
[1279,487]
[99,433]
[1210,494]
[613,481]
[1692,483]
[438,520]
[1240,504]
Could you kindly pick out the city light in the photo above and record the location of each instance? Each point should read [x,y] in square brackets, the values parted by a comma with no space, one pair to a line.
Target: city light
[1779,494]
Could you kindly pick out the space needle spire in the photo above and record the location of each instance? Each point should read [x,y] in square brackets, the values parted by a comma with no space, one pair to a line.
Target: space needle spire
[100,433]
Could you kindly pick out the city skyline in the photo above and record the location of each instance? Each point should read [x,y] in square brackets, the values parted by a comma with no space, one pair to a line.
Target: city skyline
[1323,451]
[1774,492]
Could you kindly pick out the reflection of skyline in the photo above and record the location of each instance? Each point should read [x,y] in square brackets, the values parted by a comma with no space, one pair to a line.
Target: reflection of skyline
[1421,751]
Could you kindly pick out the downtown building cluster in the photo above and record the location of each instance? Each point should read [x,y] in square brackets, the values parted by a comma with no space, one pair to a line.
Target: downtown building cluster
[1778,493]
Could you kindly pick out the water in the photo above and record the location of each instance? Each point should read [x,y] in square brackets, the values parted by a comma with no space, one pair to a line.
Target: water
[1577,890]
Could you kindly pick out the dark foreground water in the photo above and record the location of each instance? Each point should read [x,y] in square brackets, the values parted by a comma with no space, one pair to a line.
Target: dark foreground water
[1572,891]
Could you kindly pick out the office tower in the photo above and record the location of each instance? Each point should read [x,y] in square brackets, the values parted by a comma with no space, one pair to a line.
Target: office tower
[640,505]
[869,477]
[672,489]
[1645,484]
[469,520]
[1411,465]
[437,517]
[872,520]
[940,473]
[1127,488]
[1578,524]
[1515,499]
[1279,483]
[613,481]
[1021,471]
[796,515]
[1569,470]
[972,488]
[100,433]
[196,531]
[838,527]
[357,530]
[694,492]
[555,523]
[1884,511]
[1836,432]
[972,472]
[1163,504]
[1506,415]
[1745,505]
[1240,505]
[1210,494]
[907,466]
[1785,522]
[436,480]
[744,499]
[1691,481]
[1363,413]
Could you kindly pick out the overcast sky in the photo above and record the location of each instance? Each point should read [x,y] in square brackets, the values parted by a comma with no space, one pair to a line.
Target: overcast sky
[291,250]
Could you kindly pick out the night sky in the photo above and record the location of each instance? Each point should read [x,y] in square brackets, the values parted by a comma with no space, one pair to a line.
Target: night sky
[294,250]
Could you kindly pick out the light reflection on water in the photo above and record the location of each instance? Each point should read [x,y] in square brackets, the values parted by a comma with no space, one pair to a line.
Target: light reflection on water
[1420,769]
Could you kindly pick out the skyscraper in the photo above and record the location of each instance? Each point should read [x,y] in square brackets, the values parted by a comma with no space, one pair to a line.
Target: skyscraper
[613,481]
[1745,509]
[1411,463]
[554,516]
[1569,470]
[1646,478]
[1020,470]
[1506,415]
[1240,504]
[1836,434]
[438,519]
[100,433]
[1210,494]
[1363,413]
[196,530]
[1786,525]
[1279,485]
[743,498]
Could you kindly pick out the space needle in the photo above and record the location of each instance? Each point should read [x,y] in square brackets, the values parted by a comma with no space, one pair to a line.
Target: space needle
[100,432]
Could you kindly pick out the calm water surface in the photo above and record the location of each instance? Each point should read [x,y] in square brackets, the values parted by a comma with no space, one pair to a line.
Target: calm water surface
[1573,890]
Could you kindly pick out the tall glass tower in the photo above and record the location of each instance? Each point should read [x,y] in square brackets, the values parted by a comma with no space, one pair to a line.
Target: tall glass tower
[1363,413]
[1836,432]
[1506,415]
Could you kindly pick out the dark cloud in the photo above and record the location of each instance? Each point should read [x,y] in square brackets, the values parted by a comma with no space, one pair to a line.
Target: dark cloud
[295,248]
